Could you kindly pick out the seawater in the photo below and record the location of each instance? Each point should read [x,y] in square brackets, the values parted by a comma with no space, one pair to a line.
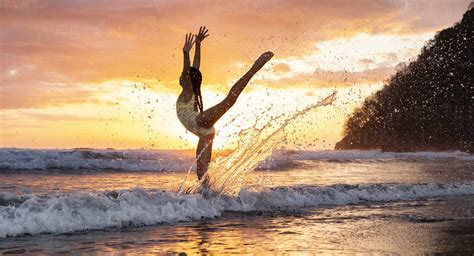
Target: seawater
[96,201]
[321,201]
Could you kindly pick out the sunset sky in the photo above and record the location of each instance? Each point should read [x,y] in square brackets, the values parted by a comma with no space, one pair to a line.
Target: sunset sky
[105,73]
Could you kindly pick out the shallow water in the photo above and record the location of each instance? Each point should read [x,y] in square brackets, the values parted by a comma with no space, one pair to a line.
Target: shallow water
[426,226]
[307,172]
[329,202]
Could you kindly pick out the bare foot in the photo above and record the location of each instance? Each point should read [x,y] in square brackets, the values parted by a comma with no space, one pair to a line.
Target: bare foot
[264,58]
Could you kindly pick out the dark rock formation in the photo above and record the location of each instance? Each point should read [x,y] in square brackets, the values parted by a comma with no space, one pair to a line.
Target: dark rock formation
[427,105]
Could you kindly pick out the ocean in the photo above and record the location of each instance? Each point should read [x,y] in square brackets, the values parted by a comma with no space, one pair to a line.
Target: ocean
[127,201]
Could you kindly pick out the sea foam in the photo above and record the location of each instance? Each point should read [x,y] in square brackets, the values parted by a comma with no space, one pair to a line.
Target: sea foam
[66,213]
[90,160]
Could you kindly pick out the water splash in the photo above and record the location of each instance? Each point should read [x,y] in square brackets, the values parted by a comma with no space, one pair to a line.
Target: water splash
[226,174]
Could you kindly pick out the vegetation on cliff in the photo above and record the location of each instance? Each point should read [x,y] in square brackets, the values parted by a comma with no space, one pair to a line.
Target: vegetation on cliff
[427,105]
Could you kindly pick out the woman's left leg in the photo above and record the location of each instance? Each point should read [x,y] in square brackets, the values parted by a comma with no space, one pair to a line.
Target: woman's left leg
[210,116]
[203,154]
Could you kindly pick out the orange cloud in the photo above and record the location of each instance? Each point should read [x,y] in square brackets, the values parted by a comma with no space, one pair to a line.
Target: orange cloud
[60,59]
[332,79]
[93,41]
[281,68]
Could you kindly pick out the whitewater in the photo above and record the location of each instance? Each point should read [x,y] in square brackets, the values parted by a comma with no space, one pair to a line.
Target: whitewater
[124,199]
[93,208]
[91,160]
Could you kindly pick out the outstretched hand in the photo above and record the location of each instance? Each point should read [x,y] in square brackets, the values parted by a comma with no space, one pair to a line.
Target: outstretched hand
[188,42]
[202,34]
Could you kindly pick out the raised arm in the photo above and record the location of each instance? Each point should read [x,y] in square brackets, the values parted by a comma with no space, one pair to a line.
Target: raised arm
[188,44]
[197,51]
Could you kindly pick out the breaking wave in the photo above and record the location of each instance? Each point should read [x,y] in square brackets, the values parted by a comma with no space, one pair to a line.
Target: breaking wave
[73,212]
[286,159]
[168,160]
[94,159]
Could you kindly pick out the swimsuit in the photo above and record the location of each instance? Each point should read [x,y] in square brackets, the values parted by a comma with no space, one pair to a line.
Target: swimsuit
[187,116]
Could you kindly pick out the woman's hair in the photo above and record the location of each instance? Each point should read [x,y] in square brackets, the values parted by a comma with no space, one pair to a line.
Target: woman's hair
[196,79]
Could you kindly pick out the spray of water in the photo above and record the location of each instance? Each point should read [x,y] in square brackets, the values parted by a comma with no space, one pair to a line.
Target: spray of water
[226,174]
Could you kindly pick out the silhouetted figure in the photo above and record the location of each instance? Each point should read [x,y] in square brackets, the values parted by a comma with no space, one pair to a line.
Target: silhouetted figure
[189,106]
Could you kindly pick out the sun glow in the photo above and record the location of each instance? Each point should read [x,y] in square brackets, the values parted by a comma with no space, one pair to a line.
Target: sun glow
[358,53]
[132,114]
[12,72]
[86,75]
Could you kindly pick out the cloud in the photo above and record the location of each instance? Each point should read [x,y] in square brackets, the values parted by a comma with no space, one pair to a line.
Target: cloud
[88,42]
[29,88]
[63,61]
[281,68]
[366,61]
[323,78]
[361,59]
[57,117]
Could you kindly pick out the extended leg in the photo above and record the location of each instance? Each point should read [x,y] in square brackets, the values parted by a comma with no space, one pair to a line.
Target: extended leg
[210,116]
[203,154]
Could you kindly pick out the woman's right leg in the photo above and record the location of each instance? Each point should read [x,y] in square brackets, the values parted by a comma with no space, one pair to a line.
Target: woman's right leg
[203,154]
[210,116]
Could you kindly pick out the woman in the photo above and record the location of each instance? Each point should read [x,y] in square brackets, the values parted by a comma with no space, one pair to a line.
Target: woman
[189,106]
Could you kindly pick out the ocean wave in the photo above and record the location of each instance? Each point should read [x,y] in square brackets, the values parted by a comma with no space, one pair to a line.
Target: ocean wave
[357,155]
[94,159]
[289,159]
[169,160]
[66,213]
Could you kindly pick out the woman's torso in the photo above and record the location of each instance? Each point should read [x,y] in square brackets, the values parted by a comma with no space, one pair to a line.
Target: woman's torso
[187,115]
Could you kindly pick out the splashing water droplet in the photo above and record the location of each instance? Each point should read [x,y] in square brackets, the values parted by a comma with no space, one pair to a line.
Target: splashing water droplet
[226,174]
